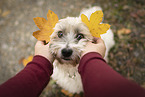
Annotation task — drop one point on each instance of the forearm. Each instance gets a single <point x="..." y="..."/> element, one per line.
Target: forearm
<point x="30" y="81"/>
<point x="100" y="80"/>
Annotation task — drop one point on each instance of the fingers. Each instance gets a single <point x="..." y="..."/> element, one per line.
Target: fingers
<point x="99" y="40"/>
<point x="40" y="42"/>
<point x="95" y="38"/>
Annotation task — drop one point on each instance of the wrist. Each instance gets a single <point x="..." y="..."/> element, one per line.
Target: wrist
<point x="50" y="59"/>
<point x="90" y="52"/>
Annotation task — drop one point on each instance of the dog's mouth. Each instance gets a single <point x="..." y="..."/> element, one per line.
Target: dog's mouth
<point x="67" y="59"/>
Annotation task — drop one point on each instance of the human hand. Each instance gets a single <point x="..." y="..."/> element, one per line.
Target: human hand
<point x="97" y="46"/>
<point x="43" y="50"/>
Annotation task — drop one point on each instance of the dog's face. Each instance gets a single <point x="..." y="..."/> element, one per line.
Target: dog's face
<point x="68" y="40"/>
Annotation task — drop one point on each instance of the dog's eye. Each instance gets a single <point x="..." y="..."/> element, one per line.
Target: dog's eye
<point x="79" y="36"/>
<point x="60" y="34"/>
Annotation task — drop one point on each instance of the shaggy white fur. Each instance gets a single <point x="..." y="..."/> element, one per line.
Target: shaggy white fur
<point x="65" y="72"/>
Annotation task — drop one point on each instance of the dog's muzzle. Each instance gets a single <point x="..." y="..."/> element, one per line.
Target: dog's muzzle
<point x="66" y="53"/>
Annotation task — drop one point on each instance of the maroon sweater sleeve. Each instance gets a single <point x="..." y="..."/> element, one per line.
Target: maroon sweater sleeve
<point x="30" y="81"/>
<point x="100" y="80"/>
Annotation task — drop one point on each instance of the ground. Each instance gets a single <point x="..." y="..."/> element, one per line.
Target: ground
<point x="126" y="18"/>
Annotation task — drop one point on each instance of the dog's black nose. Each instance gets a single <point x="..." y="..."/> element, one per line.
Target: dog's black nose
<point x="66" y="52"/>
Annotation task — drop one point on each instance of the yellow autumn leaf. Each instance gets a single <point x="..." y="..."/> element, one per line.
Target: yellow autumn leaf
<point x="124" y="31"/>
<point x="45" y="26"/>
<point x="94" y="24"/>
<point x="66" y="93"/>
<point x="85" y="20"/>
<point x="52" y="18"/>
<point x="27" y="60"/>
<point x="40" y="22"/>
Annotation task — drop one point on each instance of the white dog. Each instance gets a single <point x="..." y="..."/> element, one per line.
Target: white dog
<point x="67" y="42"/>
